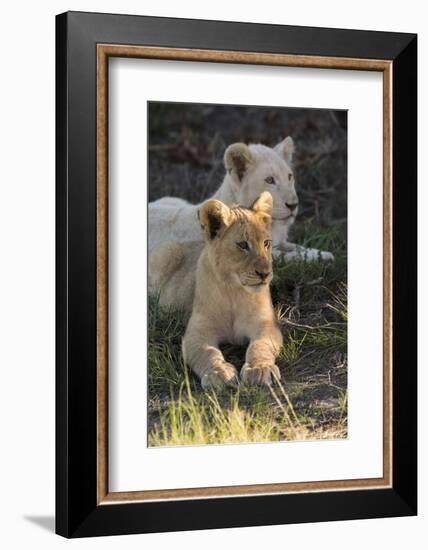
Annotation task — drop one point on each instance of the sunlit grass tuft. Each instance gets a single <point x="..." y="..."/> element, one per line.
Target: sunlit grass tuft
<point x="210" y="418"/>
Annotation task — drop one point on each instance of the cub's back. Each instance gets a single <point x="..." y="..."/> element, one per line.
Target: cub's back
<point x="172" y="217"/>
<point x="172" y="272"/>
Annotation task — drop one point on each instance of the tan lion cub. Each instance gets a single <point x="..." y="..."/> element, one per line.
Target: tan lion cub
<point x="232" y="301"/>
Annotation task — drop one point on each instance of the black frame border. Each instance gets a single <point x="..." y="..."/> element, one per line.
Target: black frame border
<point x="77" y="512"/>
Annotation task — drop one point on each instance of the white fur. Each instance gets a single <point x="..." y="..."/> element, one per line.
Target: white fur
<point x="247" y="169"/>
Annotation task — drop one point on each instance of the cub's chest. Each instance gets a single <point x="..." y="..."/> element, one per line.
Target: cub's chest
<point x="236" y="326"/>
<point x="240" y="332"/>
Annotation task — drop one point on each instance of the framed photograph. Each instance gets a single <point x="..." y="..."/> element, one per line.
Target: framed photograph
<point x="236" y="274"/>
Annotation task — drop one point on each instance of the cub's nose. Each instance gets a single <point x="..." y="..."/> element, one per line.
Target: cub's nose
<point x="292" y="206"/>
<point x="263" y="274"/>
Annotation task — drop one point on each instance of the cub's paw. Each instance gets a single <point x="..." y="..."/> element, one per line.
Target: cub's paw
<point x="259" y="373"/>
<point x="309" y="255"/>
<point x="326" y="256"/>
<point x="223" y="374"/>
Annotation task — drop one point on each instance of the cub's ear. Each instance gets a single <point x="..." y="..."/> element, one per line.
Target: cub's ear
<point x="237" y="159"/>
<point x="213" y="217"/>
<point x="285" y="149"/>
<point x="263" y="204"/>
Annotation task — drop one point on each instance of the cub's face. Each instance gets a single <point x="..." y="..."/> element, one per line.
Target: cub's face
<point x="239" y="240"/>
<point x="253" y="169"/>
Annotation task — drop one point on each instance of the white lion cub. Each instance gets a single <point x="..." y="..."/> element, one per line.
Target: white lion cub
<point x="250" y="170"/>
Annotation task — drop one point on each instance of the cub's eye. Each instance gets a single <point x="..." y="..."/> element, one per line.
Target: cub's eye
<point x="243" y="245"/>
<point x="267" y="244"/>
<point x="270" y="180"/>
<point x="290" y="176"/>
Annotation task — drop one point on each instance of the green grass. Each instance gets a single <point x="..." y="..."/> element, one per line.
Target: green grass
<point x="311" y="400"/>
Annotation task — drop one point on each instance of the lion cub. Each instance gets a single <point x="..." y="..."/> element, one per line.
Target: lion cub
<point x="232" y="301"/>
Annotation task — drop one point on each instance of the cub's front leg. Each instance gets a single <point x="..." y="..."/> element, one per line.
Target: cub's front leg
<point x="291" y="251"/>
<point x="201" y="353"/>
<point x="260" y="358"/>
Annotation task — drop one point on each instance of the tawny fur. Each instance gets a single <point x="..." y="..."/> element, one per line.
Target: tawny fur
<point x="232" y="301"/>
<point x="250" y="170"/>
